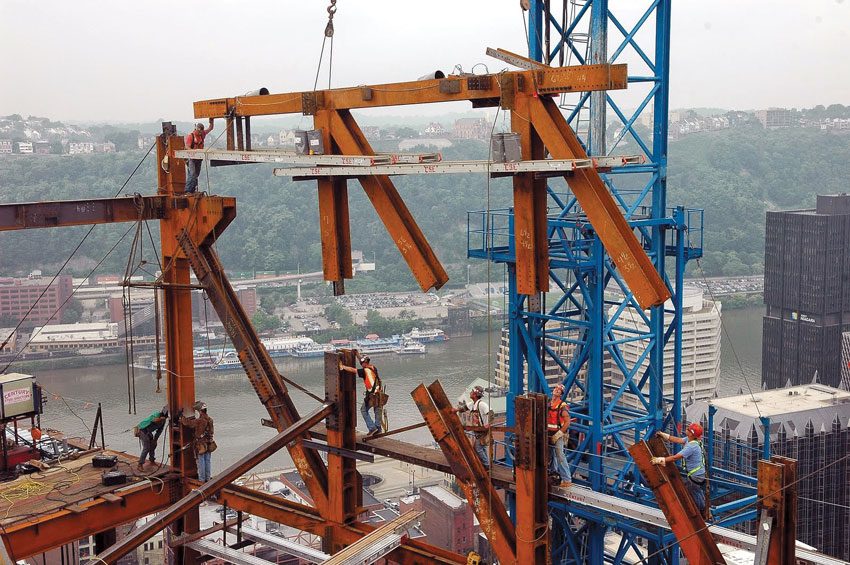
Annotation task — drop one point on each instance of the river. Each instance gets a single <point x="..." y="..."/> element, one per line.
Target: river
<point x="234" y="406"/>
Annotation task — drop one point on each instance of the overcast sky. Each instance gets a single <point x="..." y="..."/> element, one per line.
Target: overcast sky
<point x="123" y="60"/>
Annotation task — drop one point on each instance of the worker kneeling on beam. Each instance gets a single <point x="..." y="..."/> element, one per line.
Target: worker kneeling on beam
<point x="693" y="462"/>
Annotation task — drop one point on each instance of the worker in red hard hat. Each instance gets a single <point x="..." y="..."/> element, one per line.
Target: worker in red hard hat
<point x="693" y="462"/>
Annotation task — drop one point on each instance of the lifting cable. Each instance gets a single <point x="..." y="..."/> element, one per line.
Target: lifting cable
<point x="329" y="33"/>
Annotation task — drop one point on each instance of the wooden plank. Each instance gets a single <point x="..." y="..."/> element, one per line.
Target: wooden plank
<point x="109" y="497"/>
<point x="76" y="508"/>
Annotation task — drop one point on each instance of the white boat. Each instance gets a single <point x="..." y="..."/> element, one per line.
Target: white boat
<point x="228" y="362"/>
<point x="411" y="348"/>
<point x="285" y="346"/>
<point x="202" y="357"/>
<point x="426" y="336"/>
<point x="313" y="350"/>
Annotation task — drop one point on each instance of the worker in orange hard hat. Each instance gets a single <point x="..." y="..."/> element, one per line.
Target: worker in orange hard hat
<point x="693" y="462"/>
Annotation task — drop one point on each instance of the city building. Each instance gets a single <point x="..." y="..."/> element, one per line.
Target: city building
<point x="773" y="118"/>
<point x="435" y="129"/>
<point x="8" y="340"/>
<point x="701" y="331"/>
<point x="471" y="128"/>
<point x="809" y="423"/>
<point x="17" y="296"/>
<point x="807" y="293"/>
<point x="25" y="147"/>
<point x="42" y="147"/>
<point x="57" y="337"/>
<point x="77" y="148"/>
<point x="5" y="146"/>
<point x="448" y="521"/>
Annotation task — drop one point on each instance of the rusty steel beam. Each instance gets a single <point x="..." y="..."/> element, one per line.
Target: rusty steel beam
<point x="258" y="365"/>
<point x="470" y="473"/>
<point x="333" y="218"/>
<point x="675" y="501"/>
<point x="532" y="485"/>
<point x="789" y="502"/>
<point x="345" y="485"/>
<point x="483" y="88"/>
<point x="530" y="222"/>
<point x="601" y="209"/>
<point x="208" y="489"/>
<point x="771" y="514"/>
<point x="392" y="210"/>
<point x="307" y="519"/>
<point x="81" y="212"/>
<point x="43" y="533"/>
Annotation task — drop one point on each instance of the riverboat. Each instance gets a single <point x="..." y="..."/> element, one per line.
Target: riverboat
<point x="426" y="336"/>
<point x="411" y="348"/>
<point x="313" y="350"/>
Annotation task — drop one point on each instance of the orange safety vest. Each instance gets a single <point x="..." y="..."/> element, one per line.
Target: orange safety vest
<point x="371" y="380"/>
<point x="195" y="141"/>
<point x="555" y="420"/>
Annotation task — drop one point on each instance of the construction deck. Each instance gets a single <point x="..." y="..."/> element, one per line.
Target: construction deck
<point x="67" y="485"/>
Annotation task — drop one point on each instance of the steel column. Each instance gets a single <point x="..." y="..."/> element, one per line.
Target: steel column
<point x="392" y="210"/>
<point x="333" y="217"/>
<point x="345" y="485"/>
<point x="601" y="209"/>
<point x="532" y="488"/>
<point x="530" y="226"/>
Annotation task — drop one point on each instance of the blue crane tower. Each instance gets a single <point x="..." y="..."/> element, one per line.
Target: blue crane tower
<point x="581" y="327"/>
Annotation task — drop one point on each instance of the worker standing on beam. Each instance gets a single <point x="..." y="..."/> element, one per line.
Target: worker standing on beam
<point x="204" y="444"/>
<point x="481" y="420"/>
<point x="558" y="425"/>
<point x="195" y="140"/>
<point x="693" y="462"/>
<point x="374" y="397"/>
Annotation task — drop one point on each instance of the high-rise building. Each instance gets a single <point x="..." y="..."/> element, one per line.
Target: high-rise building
<point x="807" y="293"/>
<point x="701" y="330"/>
<point x="809" y="423"/>
<point x="40" y="300"/>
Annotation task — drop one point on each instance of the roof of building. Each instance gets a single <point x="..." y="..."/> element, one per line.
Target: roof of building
<point x="444" y="496"/>
<point x="75" y="332"/>
<point x="793" y="408"/>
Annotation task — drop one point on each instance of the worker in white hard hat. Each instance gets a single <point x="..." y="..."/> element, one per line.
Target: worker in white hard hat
<point x="480" y="411"/>
<point x="195" y="140"/>
<point x="204" y="445"/>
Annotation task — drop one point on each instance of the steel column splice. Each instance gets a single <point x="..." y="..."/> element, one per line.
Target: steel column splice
<point x="468" y="470"/>
<point x="675" y="501"/>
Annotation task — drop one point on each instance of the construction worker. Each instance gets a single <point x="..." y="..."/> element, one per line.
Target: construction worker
<point x="204" y="444"/>
<point x="480" y="419"/>
<point x="374" y="397"/>
<point x="693" y="462"/>
<point x="558" y="425"/>
<point x="195" y="140"/>
<point x="149" y="431"/>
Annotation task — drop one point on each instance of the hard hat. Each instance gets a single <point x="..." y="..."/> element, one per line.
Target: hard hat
<point x="477" y="390"/>
<point x="364" y="359"/>
<point x="695" y="429"/>
<point x="559" y="386"/>
<point x="164" y="411"/>
<point x="199" y="406"/>
<point x="199" y="125"/>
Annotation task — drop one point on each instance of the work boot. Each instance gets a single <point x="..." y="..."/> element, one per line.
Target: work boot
<point x="565" y="484"/>
<point x="140" y="468"/>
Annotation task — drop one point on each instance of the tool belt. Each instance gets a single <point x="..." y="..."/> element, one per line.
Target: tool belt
<point x="555" y="436"/>
<point x="377" y="399"/>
